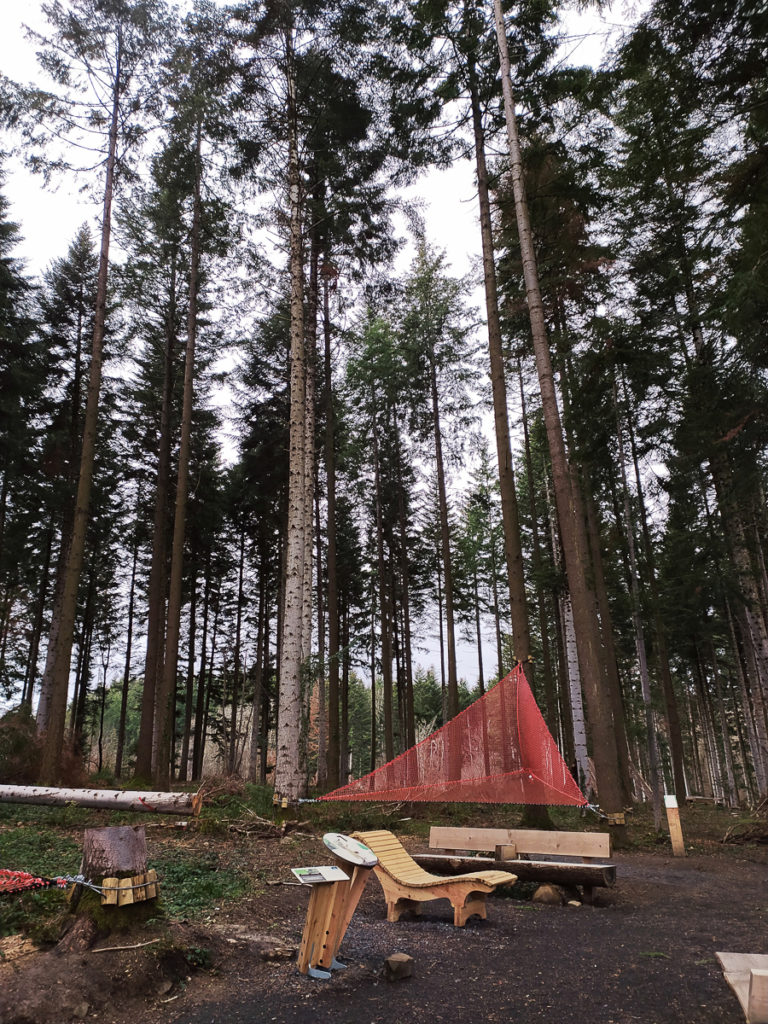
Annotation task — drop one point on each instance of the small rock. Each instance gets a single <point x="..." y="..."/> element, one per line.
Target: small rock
<point x="398" y="966"/>
<point x="81" y="1010"/>
<point x="574" y="903"/>
<point x="548" y="894"/>
<point x="164" y="987"/>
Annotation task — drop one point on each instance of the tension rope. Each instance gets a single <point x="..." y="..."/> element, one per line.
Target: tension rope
<point x="12" y="882"/>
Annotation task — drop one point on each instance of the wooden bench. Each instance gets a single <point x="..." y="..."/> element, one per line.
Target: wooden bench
<point x="406" y="885"/>
<point x="577" y="858"/>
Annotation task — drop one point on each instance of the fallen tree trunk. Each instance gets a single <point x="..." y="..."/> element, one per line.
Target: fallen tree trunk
<point x="557" y="872"/>
<point x="125" y="800"/>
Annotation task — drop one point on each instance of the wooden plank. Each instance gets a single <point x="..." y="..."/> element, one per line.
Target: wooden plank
<point x="109" y="895"/>
<point x="151" y="890"/>
<point x="140" y="889"/>
<point x="527" y="841"/>
<point x="124" y="892"/>
<point x="747" y="974"/>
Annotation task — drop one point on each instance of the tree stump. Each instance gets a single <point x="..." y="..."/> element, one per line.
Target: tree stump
<point x="114" y="852"/>
<point x="120" y="850"/>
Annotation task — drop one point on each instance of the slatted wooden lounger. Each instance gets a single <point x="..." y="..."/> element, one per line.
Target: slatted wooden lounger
<point x="406" y="885"/>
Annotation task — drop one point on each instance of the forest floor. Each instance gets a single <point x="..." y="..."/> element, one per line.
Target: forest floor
<point x="222" y="953"/>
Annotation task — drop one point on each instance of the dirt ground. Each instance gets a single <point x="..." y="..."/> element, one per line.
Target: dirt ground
<point x="644" y="953"/>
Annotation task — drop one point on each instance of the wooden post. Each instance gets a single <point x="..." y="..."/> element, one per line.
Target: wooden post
<point x="675" y="829"/>
<point x="345" y="903"/>
<point x="317" y="925"/>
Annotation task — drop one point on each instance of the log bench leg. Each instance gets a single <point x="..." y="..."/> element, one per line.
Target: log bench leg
<point x="397" y="907"/>
<point x="474" y="903"/>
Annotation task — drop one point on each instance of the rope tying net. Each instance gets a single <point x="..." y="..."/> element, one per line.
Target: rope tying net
<point x="23" y="881"/>
<point x="499" y="750"/>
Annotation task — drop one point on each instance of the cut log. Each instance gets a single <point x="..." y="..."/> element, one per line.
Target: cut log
<point x="588" y="875"/>
<point x="119" y="850"/>
<point x="125" y="800"/>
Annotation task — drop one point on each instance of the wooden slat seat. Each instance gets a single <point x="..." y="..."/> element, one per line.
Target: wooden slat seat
<point x="406" y="885"/>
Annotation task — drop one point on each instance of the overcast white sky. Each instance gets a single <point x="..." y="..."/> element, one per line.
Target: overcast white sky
<point x="49" y="218"/>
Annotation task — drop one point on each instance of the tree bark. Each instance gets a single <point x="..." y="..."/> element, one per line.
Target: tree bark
<point x="128" y="650"/>
<point x="161" y="771"/>
<point x="56" y="678"/>
<point x="289" y="778"/>
<point x="445" y="545"/>
<point x="158" y="571"/>
<point x="125" y="800"/>
<point x="333" y="769"/>
<point x="575" y="548"/>
<point x="513" y="550"/>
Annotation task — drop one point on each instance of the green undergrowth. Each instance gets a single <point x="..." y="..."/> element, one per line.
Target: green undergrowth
<point x="42" y="852"/>
<point x="195" y="885"/>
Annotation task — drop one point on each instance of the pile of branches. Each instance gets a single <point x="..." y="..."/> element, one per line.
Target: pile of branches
<point x="755" y="830"/>
<point x="254" y="825"/>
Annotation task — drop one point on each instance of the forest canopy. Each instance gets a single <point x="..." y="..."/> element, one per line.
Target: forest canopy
<point x="253" y="457"/>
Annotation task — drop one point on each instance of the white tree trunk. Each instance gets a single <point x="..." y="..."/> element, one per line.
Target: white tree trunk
<point x="289" y="781"/>
<point x="574" y="685"/>
<point x="125" y="800"/>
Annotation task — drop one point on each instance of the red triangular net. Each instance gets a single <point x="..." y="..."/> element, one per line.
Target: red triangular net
<point x="498" y="751"/>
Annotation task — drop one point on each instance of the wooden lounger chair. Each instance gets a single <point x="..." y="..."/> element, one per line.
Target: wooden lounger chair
<point x="406" y="885"/>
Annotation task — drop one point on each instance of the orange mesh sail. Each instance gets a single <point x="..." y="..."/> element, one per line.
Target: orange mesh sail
<point x="497" y="751"/>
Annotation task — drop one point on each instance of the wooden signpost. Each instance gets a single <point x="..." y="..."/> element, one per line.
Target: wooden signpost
<point x="675" y="829"/>
<point x="335" y="895"/>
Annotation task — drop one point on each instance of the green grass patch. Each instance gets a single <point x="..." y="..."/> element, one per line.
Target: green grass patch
<point x="191" y="887"/>
<point x="39" y="852"/>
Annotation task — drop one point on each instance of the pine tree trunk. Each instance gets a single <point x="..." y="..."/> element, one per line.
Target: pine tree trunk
<point x="156" y="592"/>
<point x="445" y="547"/>
<point x="609" y="660"/>
<point x="128" y="650"/>
<point x="322" y="711"/>
<point x="730" y="775"/>
<point x="572" y="529"/>
<point x="637" y="622"/>
<point x="478" y="632"/>
<point x="332" y="594"/>
<point x="372" y="761"/>
<point x="161" y="769"/>
<point x="550" y="698"/>
<point x="384" y="605"/>
<point x="200" y="694"/>
<point x="56" y="678"/>
<point x="262" y="626"/>
<point x="37" y="628"/>
<point x="662" y="651"/>
<point x="344" y="694"/>
<point x="410" y="723"/>
<point x="237" y="669"/>
<point x="513" y="550"/>
<point x="189" y="691"/>
<point x="289" y="778"/>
